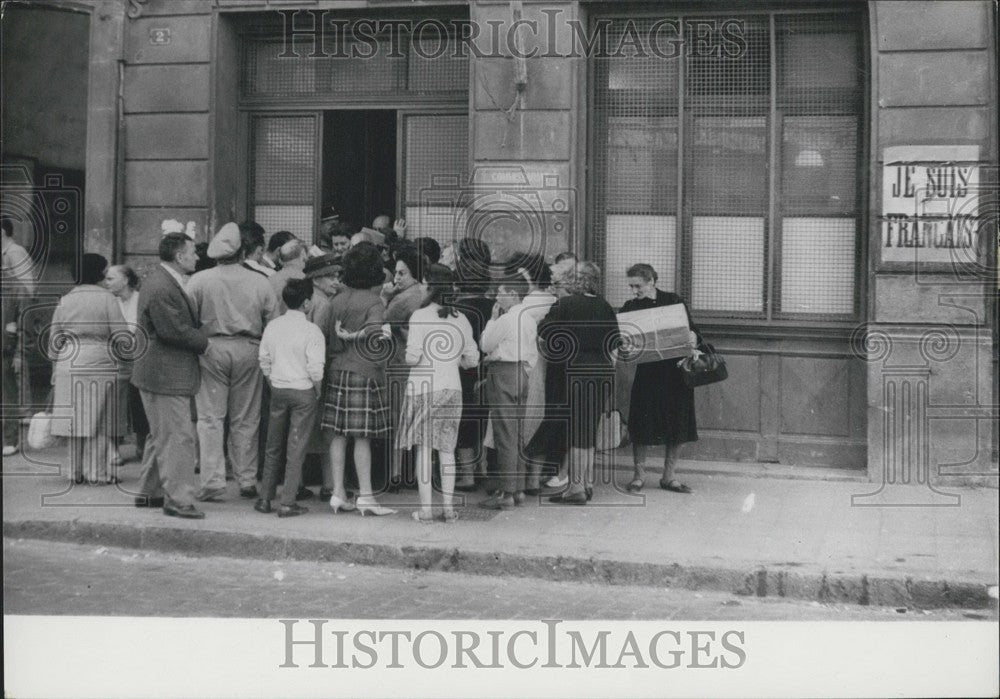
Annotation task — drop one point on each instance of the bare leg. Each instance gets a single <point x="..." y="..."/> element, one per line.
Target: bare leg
<point x="338" y="454"/>
<point x="577" y="470"/>
<point x="640" y="452"/>
<point x="424" y="467"/>
<point x="363" y="465"/>
<point x="446" y="459"/>
<point x="669" y="481"/>
<point x="670" y="461"/>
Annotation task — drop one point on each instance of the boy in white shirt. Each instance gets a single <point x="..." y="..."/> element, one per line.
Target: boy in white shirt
<point x="292" y="353"/>
<point x="508" y="344"/>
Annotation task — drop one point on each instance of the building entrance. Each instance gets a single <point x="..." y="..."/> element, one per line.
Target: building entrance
<point x="359" y="164"/>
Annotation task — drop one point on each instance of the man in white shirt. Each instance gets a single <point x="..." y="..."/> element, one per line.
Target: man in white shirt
<point x="508" y="343"/>
<point x="292" y="353"/>
<point x="17" y="263"/>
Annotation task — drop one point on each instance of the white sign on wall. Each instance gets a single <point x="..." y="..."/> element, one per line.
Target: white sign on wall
<point x="930" y="201"/>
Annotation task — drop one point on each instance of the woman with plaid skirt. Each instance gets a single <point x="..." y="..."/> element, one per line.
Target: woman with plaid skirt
<point x="356" y="405"/>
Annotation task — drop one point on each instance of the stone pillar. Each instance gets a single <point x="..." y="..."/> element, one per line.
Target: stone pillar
<point x="526" y="122"/>
<point x="167" y="119"/>
<point x="931" y="403"/>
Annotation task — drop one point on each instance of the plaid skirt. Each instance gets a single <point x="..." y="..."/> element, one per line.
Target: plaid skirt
<point x="355" y="406"/>
<point x="430" y="418"/>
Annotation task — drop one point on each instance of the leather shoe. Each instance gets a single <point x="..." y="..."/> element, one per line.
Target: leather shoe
<point x="213" y="495"/>
<point x="248" y="492"/>
<point x="500" y="501"/>
<point x="291" y="510"/>
<point x="304" y="494"/>
<point x="569" y="499"/>
<point x="149" y="501"/>
<point x="263" y="506"/>
<point x="183" y="511"/>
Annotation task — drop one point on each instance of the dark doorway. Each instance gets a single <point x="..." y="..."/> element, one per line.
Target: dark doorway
<point x="359" y="164"/>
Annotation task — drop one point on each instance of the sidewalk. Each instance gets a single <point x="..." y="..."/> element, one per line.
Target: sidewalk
<point x="795" y="536"/>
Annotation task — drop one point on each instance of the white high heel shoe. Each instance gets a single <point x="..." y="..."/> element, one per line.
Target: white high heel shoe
<point x="339" y="505"/>
<point x="370" y="506"/>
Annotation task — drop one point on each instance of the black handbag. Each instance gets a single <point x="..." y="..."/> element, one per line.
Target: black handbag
<point x="706" y="369"/>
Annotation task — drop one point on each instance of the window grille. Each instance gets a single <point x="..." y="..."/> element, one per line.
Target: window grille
<point x="352" y="68"/>
<point x="751" y="194"/>
<point x="436" y="173"/>
<point x="284" y="173"/>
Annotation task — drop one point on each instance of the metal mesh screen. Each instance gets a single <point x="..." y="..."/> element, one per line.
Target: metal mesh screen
<point x="435" y="171"/>
<point x="727" y="264"/>
<point x="432" y="70"/>
<point x="702" y="124"/>
<point x="351" y="68"/>
<point x="819" y="100"/>
<point x="650" y="239"/>
<point x="284" y="173"/>
<point x="636" y="117"/>
<point x="817" y="270"/>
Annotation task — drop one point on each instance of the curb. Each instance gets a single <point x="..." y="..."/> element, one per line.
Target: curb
<point x="757" y="581"/>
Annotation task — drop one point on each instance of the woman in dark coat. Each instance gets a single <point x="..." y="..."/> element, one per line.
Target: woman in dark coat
<point x="577" y="339"/>
<point x="661" y="409"/>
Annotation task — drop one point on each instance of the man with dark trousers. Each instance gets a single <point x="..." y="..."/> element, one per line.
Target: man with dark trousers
<point x="167" y="375"/>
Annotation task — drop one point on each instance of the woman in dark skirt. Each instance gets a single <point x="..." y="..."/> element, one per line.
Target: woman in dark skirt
<point x="355" y="404"/>
<point x="661" y="409"/>
<point x="577" y="339"/>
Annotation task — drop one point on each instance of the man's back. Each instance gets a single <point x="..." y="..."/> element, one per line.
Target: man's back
<point x="232" y="300"/>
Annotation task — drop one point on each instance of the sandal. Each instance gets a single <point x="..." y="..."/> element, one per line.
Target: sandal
<point x="635" y="485"/>
<point x="674" y="486"/>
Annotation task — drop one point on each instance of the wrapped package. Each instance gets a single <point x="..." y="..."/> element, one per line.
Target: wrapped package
<point x="657" y="333"/>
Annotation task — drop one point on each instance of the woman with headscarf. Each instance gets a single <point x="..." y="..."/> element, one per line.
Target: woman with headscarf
<point x="92" y="345"/>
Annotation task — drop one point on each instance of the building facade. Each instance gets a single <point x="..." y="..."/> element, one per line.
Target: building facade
<point x="817" y="179"/>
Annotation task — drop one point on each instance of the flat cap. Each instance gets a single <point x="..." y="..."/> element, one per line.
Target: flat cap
<point x="226" y="242"/>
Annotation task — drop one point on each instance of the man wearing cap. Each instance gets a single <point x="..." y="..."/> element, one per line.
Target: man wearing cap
<point x="167" y="374"/>
<point x="329" y="220"/>
<point x="234" y="304"/>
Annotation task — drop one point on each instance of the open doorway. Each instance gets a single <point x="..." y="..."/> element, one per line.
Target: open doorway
<point x="359" y="164"/>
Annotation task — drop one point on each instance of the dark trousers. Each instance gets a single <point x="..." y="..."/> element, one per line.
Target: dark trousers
<point x="292" y="414"/>
<point x="140" y="423"/>
<point x="12" y="405"/>
<point x="506" y="394"/>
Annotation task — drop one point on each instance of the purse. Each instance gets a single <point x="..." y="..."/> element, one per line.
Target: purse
<point x="707" y="369"/>
<point x="609" y="431"/>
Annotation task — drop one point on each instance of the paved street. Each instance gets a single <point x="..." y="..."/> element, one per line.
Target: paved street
<point x="43" y="577"/>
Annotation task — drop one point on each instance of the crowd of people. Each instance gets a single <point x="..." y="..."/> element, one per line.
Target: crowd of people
<point x="239" y="358"/>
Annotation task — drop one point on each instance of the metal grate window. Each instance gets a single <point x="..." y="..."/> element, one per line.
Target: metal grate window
<point x="751" y="192"/>
<point x="401" y="67"/>
<point x="284" y="173"/>
<point x="435" y="171"/>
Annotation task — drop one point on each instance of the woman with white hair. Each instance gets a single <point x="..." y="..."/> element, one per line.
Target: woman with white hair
<point x="577" y="338"/>
<point x="123" y="283"/>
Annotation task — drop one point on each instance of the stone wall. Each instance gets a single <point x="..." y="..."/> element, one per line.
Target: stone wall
<point x="929" y="342"/>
